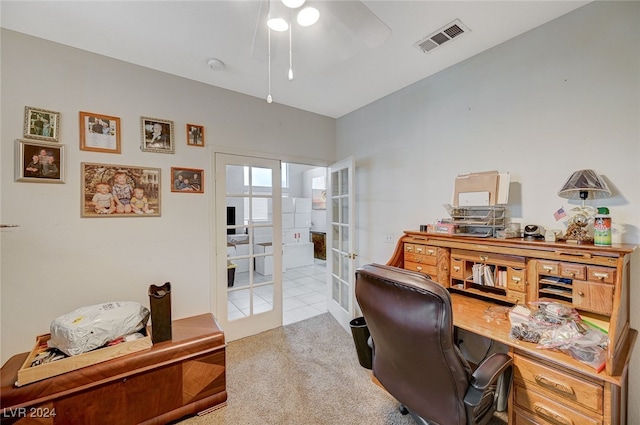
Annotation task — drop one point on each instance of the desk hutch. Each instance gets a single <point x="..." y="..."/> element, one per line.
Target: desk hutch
<point x="549" y="386"/>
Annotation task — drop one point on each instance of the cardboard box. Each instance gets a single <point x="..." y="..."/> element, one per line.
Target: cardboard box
<point x="446" y="228"/>
<point x="302" y="220"/>
<point x="28" y="374"/>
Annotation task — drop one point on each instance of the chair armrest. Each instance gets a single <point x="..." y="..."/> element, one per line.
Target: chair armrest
<point x="486" y="375"/>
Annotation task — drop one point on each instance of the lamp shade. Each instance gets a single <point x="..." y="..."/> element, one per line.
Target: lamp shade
<point x="584" y="184"/>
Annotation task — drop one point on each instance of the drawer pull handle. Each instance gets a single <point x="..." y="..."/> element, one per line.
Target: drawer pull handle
<point x="418" y="268"/>
<point x="516" y="279"/>
<point x="484" y="257"/>
<point x="554" y="416"/>
<point x="543" y="380"/>
<point x="547" y="268"/>
<point x="418" y="249"/>
<point x="409" y="249"/>
<point x="581" y="293"/>
<point x="430" y="252"/>
<point x="601" y="276"/>
<point x="574" y="254"/>
<point x="456" y="268"/>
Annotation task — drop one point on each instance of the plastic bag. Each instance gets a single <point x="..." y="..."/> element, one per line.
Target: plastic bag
<point x="590" y="348"/>
<point x="91" y="327"/>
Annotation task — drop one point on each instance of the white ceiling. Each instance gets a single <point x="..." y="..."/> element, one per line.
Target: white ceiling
<point x="335" y="72"/>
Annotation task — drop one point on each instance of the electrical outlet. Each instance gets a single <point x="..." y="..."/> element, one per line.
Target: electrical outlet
<point x="388" y="238"/>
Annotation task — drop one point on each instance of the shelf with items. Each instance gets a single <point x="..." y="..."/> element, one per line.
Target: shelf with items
<point x="495" y="276"/>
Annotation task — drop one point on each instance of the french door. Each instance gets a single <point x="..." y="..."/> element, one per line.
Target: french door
<point x="341" y="258"/>
<point x="248" y="244"/>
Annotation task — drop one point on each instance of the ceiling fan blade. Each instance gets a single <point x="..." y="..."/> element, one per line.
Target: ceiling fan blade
<point x="361" y="21"/>
<point x="260" y="48"/>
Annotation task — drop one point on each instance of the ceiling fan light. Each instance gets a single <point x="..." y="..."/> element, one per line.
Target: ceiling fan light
<point x="277" y="24"/>
<point x="308" y="16"/>
<point x="293" y="4"/>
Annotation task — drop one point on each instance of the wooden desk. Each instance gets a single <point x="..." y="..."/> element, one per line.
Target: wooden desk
<point x="549" y="387"/>
<point x="172" y="379"/>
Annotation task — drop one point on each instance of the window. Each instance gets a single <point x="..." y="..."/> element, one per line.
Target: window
<point x="262" y="176"/>
<point x="260" y="209"/>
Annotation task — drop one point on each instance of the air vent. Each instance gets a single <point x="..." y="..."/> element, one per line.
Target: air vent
<point x="440" y="37"/>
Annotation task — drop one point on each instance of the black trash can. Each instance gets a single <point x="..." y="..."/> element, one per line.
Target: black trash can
<point x="361" y="334"/>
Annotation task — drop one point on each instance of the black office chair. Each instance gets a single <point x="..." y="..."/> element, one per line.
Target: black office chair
<point x="414" y="355"/>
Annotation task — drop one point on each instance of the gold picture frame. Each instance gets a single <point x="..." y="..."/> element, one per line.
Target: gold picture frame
<point x="110" y="190"/>
<point x="41" y="124"/>
<point x="157" y="135"/>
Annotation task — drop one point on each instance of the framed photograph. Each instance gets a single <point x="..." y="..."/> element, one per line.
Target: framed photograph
<point x="157" y="135"/>
<point x="120" y="191"/>
<point x="195" y="135"/>
<point x="39" y="162"/>
<point x="99" y="133"/>
<point x="41" y="124"/>
<point x="187" y="180"/>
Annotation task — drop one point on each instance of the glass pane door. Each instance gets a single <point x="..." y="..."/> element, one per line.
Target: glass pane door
<point x="341" y="258"/>
<point x="249" y="284"/>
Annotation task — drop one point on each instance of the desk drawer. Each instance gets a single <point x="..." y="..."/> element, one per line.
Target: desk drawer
<point x="549" y="267"/>
<point x="558" y="385"/>
<point x="573" y="271"/>
<point x="422" y="268"/>
<point x="522" y="417"/>
<point x="420" y="258"/>
<point x="516" y="297"/>
<point x="549" y="411"/>
<point x="457" y="268"/>
<point x="601" y="274"/>
<point x="515" y="279"/>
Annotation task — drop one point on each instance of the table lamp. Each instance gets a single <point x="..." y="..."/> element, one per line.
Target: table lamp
<point x="582" y="184"/>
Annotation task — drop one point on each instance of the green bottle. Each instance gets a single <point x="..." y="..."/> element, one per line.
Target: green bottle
<point x="602" y="227"/>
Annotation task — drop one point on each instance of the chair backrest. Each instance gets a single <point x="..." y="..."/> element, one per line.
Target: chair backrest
<point x="415" y="357"/>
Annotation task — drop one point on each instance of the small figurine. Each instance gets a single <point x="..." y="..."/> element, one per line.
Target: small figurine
<point x="577" y="229"/>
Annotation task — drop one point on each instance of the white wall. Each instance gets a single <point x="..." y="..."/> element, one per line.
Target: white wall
<point x="562" y="97"/>
<point x="56" y="261"/>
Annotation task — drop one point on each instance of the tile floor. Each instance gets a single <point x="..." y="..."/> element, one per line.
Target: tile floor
<point x="304" y="293"/>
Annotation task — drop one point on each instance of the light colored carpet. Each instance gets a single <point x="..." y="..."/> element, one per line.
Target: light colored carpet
<point x="305" y="373"/>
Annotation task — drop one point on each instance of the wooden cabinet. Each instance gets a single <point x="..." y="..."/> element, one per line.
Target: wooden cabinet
<point x="175" y="378"/>
<point x="427" y="259"/>
<point x="549" y="386"/>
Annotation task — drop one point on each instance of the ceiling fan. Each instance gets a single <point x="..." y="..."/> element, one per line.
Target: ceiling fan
<point x="343" y="26"/>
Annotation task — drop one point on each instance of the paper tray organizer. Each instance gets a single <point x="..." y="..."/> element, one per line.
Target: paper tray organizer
<point x="476" y="221"/>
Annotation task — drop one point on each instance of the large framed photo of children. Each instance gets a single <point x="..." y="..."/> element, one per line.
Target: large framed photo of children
<point x="120" y="191"/>
<point x="39" y="162"/>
